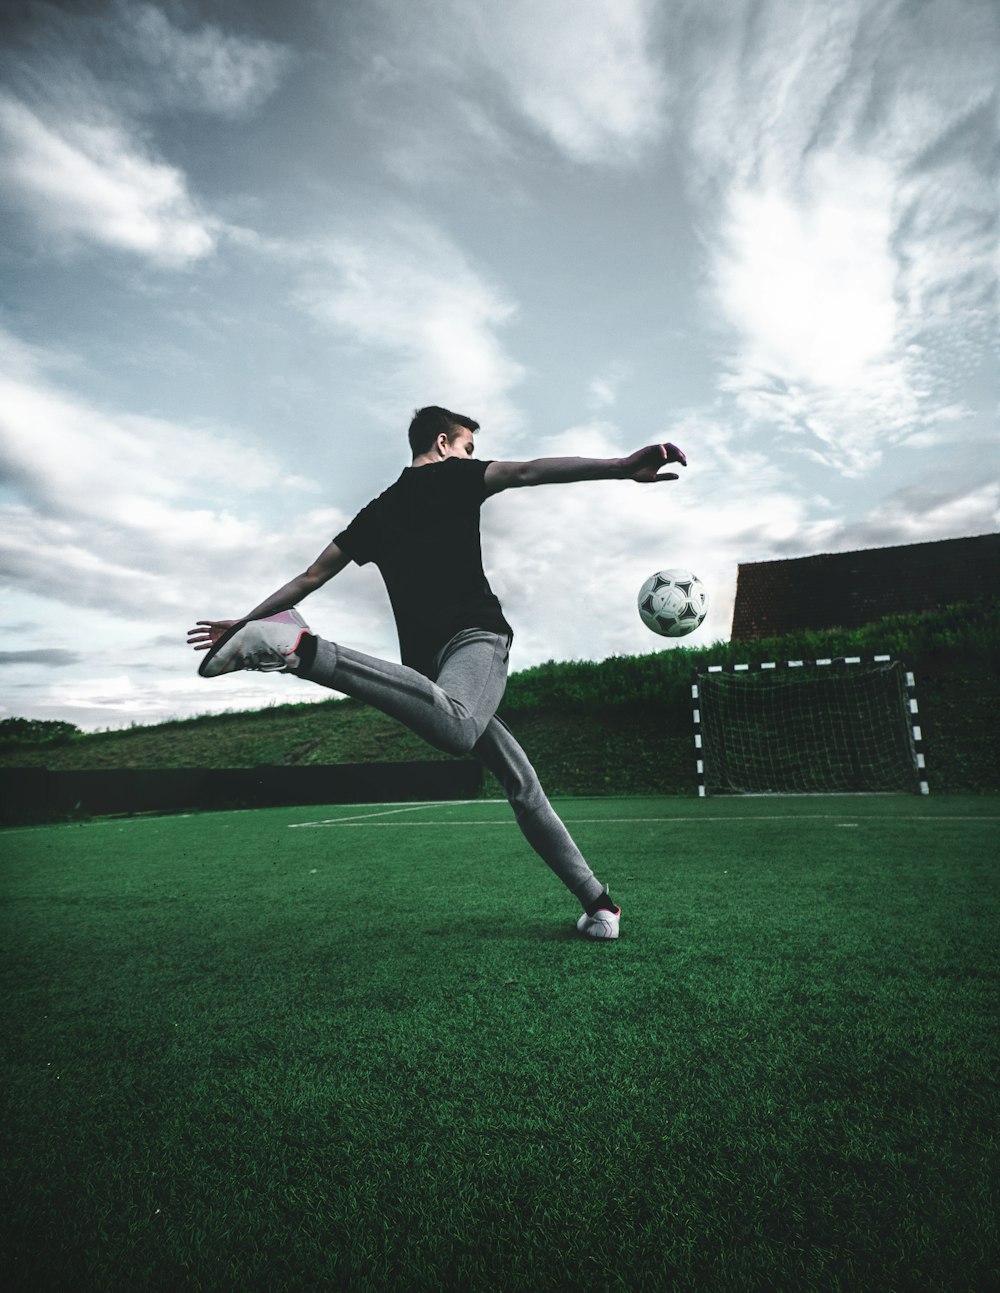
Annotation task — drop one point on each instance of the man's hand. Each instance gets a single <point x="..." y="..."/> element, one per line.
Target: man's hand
<point x="206" y="633"/>
<point x="644" y="465"/>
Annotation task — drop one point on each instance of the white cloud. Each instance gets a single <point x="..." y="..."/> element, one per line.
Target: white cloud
<point x="935" y="508"/>
<point x="118" y="531"/>
<point x="93" y="183"/>
<point x="70" y="561"/>
<point x="75" y="161"/>
<point x="850" y="216"/>
<point x="124" y="694"/>
<point x="808" y="282"/>
<point x="65" y="453"/>
<point x="403" y="289"/>
<point x="602" y="390"/>
<point x="202" y="69"/>
<point x="931" y="69"/>
<point x="585" y="75"/>
<point x="587" y="78"/>
<point x="132" y="513"/>
<point x="951" y="501"/>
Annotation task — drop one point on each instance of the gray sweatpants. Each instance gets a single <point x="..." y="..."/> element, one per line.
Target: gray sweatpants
<point x="457" y="713"/>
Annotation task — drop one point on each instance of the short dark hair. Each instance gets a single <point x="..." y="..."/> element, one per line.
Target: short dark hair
<point x="433" y="421"/>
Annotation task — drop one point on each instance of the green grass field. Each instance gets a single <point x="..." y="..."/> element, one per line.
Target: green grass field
<point x="245" y="1051"/>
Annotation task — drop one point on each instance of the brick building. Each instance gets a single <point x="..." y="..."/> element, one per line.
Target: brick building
<point x="849" y="589"/>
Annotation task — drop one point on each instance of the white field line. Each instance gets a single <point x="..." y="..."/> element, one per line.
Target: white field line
<point x="357" y="818"/>
<point x="139" y="818"/>
<point x="364" y="819"/>
<point x="629" y="821"/>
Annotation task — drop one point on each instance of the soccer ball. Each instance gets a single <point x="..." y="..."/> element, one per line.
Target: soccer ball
<point x="673" y="602"/>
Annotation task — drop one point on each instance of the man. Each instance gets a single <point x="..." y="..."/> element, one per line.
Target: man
<point x="423" y="534"/>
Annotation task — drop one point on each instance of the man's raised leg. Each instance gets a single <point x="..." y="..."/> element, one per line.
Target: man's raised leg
<point x="451" y="713"/>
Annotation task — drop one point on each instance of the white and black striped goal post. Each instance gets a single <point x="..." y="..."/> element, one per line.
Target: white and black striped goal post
<point x="835" y="726"/>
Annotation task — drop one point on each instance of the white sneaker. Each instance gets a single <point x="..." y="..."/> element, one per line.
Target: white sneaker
<point x="603" y="924"/>
<point x="268" y="645"/>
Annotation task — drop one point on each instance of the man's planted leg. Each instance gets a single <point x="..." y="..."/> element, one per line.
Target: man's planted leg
<point x="544" y="830"/>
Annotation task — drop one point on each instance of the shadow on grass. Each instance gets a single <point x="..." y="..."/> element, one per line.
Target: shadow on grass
<point x="503" y="929"/>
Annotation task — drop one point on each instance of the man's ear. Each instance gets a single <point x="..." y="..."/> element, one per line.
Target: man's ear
<point x="441" y="444"/>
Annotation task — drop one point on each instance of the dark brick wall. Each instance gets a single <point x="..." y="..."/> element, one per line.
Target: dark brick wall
<point x="849" y="589"/>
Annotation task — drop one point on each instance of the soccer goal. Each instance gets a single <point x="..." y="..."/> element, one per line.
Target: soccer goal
<point x="844" y="726"/>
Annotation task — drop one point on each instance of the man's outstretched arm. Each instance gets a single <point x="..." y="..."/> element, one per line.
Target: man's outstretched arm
<point x="331" y="561"/>
<point x="644" y="465"/>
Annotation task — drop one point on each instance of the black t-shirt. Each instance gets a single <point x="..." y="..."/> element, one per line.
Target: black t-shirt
<point x="423" y="534"/>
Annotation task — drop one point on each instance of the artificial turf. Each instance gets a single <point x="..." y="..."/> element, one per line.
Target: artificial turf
<point x="244" y="1052"/>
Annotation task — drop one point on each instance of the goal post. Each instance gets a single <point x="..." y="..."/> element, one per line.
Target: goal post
<point x="833" y="726"/>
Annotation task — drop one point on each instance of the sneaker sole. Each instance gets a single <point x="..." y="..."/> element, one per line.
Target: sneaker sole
<point x="203" y="668"/>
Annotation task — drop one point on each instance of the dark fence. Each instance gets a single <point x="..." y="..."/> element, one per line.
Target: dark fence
<point x="37" y="794"/>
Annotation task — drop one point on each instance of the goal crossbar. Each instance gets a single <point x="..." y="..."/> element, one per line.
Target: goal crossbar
<point x="839" y="725"/>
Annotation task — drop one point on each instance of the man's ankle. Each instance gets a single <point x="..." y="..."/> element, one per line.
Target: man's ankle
<point x="306" y="652"/>
<point x="603" y="903"/>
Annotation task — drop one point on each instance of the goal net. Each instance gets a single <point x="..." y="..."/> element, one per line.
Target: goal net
<point x="823" y="727"/>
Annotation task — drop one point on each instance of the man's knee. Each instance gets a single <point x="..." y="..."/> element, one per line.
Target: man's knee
<point x="461" y="749"/>
<point x="523" y="789"/>
<point x="461" y="737"/>
<point x="504" y="757"/>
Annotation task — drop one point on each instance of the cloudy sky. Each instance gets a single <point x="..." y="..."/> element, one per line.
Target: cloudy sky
<point x="241" y="241"/>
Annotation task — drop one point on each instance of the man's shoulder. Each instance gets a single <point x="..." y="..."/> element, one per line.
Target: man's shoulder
<point x="441" y="480"/>
<point x="461" y="471"/>
<point x="463" y="464"/>
<point x="467" y="468"/>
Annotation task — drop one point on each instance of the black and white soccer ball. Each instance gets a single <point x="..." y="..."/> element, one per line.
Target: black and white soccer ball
<point x="673" y="603"/>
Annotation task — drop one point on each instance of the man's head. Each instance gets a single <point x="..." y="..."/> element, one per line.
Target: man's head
<point x="429" y="425"/>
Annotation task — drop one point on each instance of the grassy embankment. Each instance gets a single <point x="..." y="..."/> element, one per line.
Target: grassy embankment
<point x="620" y="726"/>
